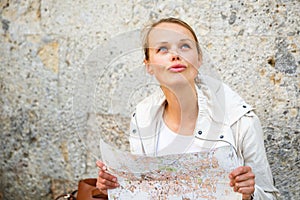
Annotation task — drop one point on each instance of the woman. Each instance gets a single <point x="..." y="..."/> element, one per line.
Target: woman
<point x="190" y="105"/>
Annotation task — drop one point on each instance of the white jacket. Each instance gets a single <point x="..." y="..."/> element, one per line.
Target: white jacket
<point x="223" y="115"/>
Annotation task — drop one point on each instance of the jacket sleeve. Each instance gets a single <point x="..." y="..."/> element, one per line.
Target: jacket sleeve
<point x="252" y="149"/>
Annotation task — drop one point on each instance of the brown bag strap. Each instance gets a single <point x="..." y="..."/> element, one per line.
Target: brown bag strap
<point x="87" y="190"/>
<point x="68" y="196"/>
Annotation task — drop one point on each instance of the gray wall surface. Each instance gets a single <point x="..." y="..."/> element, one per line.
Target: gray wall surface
<point x="57" y="55"/>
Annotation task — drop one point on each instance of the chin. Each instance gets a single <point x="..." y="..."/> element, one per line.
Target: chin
<point x="178" y="82"/>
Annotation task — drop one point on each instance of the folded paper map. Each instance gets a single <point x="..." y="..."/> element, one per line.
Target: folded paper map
<point x="202" y="175"/>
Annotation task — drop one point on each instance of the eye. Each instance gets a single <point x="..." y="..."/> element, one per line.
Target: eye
<point x="185" y="46"/>
<point x="162" y="49"/>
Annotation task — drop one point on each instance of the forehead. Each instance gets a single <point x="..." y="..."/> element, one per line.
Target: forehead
<point x="169" y="31"/>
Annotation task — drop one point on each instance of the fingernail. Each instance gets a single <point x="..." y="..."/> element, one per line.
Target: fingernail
<point x="114" y="179"/>
<point x="104" y="168"/>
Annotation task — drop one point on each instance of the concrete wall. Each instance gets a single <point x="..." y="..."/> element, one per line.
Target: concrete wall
<point x="47" y="48"/>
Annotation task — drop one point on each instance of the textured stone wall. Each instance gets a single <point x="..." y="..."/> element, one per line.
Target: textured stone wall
<point x="47" y="143"/>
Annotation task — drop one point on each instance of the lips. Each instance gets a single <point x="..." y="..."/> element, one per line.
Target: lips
<point x="177" y="68"/>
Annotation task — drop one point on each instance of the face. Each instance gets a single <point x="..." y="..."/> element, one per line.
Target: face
<point x="173" y="56"/>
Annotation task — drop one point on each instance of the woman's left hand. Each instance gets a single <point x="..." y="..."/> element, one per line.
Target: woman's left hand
<point x="242" y="179"/>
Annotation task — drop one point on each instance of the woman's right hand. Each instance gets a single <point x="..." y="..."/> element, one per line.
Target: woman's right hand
<point x="105" y="180"/>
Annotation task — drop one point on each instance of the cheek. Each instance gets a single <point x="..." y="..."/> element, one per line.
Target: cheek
<point x="197" y="63"/>
<point x="193" y="59"/>
<point x="158" y="61"/>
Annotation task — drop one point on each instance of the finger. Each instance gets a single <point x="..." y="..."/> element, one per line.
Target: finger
<point x="242" y="177"/>
<point x="245" y="177"/>
<point x="108" y="179"/>
<point x="248" y="183"/>
<point x="246" y="190"/>
<point x="101" y="165"/>
<point x="239" y="171"/>
<point x="107" y="176"/>
<point x="105" y="184"/>
<point x="103" y="187"/>
<point x="245" y="187"/>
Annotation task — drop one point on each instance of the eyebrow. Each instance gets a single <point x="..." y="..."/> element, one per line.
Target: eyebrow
<point x="182" y="40"/>
<point x="187" y="40"/>
<point x="161" y="43"/>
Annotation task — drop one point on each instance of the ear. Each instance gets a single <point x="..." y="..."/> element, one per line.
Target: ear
<point x="148" y="67"/>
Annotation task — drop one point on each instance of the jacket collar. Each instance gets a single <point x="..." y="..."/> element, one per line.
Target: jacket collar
<point x="219" y="108"/>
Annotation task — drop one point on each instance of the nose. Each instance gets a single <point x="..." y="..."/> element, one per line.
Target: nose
<point x="175" y="56"/>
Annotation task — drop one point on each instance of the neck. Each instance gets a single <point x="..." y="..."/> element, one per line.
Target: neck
<point x="181" y="110"/>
